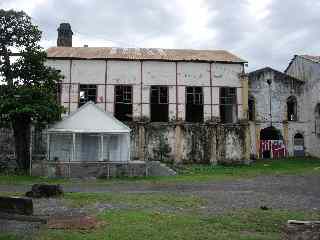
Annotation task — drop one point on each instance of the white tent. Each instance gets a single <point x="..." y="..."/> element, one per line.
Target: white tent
<point x="89" y="135"/>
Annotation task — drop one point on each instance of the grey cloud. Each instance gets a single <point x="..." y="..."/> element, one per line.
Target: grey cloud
<point x="290" y="28"/>
<point x="119" y="20"/>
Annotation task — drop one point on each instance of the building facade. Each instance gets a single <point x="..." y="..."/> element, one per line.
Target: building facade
<point x="307" y="69"/>
<point x="276" y="114"/>
<point x="182" y="105"/>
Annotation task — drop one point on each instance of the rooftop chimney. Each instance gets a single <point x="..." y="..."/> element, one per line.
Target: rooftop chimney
<point x="64" y="35"/>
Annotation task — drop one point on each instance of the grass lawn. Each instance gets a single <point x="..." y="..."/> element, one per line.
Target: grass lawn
<point x="132" y="224"/>
<point x="187" y="173"/>
<point x="176" y="216"/>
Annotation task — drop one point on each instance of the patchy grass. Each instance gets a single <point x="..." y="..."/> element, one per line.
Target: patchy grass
<point x="136" y="200"/>
<point x="262" y="167"/>
<point x="132" y="224"/>
<point x="8" y="237"/>
<point x="197" y="173"/>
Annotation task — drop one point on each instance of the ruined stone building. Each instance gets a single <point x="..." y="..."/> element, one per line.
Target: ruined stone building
<point x="181" y="105"/>
<point x="290" y="103"/>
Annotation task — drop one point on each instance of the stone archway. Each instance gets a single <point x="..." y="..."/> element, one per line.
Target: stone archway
<point x="298" y="145"/>
<point x="267" y="137"/>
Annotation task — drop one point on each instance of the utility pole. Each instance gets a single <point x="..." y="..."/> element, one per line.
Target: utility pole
<point x="269" y="81"/>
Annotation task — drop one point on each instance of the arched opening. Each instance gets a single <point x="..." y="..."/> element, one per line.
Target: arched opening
<point x="292" y="108"/>
<point x="251" y="108"/>
<point x="271" y="143"/>
<point x="298" y="145"/>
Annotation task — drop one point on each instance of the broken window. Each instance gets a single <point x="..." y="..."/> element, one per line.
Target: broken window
<point x="194" y="106"/>
<point x="87" y="92"/>
<point x="292" y="109"/>
<point x="228" y="104"/>
<point x="251" y="108"/>
<point x="159" y="104"/>
<point x="123" y="102"/>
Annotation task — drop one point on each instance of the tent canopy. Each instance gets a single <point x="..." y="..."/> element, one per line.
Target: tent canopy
<point x="90" y="119"/>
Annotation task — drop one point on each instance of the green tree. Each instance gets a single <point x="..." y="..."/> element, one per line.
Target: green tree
<point x="28" y="94"/>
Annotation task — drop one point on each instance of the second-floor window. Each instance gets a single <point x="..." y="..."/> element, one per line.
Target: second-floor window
<point x="123" y="102"/>
<point x="87" y="92"/>
<point x="159" y="104"/>
<point x="292" y="108"/>
<point x="194" y="104"/>
<point x="228" y="104"/>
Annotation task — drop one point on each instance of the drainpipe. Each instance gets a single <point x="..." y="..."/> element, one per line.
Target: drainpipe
<point x="269" y="81"/>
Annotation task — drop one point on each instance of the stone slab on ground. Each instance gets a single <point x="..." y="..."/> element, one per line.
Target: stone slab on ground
<point x="302" y="230"/>
<point x="16" y="205"/>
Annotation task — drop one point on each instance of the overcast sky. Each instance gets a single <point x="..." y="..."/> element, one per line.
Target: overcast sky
<point x="263" y="32"/>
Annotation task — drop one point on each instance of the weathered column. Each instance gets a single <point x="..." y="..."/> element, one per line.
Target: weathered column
<point x="141" y="142"/>
<point x="245" y="94"/>
<point x="212" y="138"/>
<point x="178" y="147"/>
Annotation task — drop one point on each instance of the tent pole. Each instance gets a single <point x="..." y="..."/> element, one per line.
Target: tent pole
<point x="73" y="152"/>
<point x="30" y="152"/>
<point x="48" y="146"/>
<point x="101" y="138"/>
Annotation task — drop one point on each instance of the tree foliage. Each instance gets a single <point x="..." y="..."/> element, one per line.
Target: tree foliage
<point x="29" y="90"/>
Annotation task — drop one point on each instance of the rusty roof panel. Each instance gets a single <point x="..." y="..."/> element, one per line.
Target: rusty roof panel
<point x="143" y="54"/>
<point x="312" y="58"/>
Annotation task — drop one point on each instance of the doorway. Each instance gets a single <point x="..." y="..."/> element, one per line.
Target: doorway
<point x="298" y="145"/>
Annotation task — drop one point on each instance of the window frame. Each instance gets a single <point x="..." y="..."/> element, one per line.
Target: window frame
<point x="88" y="87"/>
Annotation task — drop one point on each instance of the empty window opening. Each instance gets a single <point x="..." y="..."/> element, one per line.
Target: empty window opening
<point x="292" y="108"/>
<point x="159" y="106"/>
<point x="123" y="102"/>
<point x="251" y="108"/>
<point x="228" y="105"/>
<point x="194" y="106"/>
<point x="87" y="92"/>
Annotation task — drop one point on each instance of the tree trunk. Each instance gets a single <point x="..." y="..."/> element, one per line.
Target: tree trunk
<point x="21" y="131"/>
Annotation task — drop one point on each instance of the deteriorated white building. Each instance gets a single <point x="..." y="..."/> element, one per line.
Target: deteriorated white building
<point x="290" y="103"/>
<point x="181" y="105"/>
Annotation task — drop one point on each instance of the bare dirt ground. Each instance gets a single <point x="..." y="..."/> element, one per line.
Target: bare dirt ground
<point x="298" y="192"/>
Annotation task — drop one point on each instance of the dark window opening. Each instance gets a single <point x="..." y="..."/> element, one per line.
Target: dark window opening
<point x="87" y="92"/>
<point x="292" y="109"/>
<point x="228" y="105"/>
<point x="251" y="108"/>
<point x="159" y="104"/>
<point x="194" y="106"/>
<point x="123" y="102"/>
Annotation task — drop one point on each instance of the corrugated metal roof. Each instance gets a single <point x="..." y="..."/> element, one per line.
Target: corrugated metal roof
<point x="311" y="58"/>
<point x="143" y="54"/>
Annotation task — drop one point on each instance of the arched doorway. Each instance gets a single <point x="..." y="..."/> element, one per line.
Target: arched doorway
<point x="298" y="145"/>
<point x="271" y="143"/>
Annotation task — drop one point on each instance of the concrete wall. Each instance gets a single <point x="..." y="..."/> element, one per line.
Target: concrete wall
<point x="141" y="75"/>
<point x="282" y="87"/>
<point x="209" y="143"/>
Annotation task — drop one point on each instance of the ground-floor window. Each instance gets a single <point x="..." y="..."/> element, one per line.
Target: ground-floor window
<point x="87" y="92"/>
<point x="123" y="102"/>
<point x="159" y="104"/>
<point x="228" y="104"/>
<point x="194" y="104"/>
